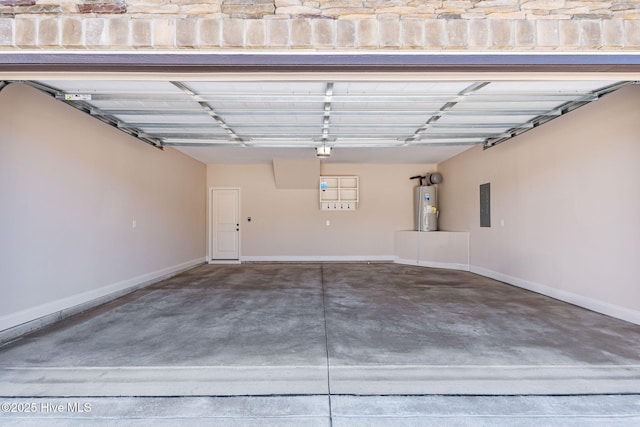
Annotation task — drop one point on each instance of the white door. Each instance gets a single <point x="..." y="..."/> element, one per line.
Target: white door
<point x="225" y="224"/>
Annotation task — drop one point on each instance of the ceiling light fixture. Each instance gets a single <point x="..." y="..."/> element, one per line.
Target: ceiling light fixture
<point x="323" y="152"/>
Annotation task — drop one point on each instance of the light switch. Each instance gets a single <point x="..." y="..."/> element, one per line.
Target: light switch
<point x="328" y="223"/>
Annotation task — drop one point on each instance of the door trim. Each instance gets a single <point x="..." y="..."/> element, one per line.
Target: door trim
<point x="179" y="61"/>
<point x="210" y="259"/>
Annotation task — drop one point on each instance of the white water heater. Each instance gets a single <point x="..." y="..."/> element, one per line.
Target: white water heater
<point x="426" y="202"/>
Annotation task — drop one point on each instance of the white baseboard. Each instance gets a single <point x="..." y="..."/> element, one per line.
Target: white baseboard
<point x="433" y="264"/>
<point x="612" y="310"/>
<point x="21" y="322"/>
<point x="329" y="258"/>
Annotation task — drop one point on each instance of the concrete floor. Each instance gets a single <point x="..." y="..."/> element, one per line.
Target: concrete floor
<point x="338" y="411"/>
<point x="319" y="331"/>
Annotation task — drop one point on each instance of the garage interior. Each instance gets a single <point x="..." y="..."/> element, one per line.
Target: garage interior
<point x="345" y="304"/>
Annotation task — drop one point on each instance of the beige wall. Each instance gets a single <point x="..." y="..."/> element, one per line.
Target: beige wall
<point x="70" y="188"/>
<point x="289" y="223"/>
<point x="568" y="195"/>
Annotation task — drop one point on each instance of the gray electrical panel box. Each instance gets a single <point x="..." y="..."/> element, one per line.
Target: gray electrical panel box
<point x="485" y="205"/>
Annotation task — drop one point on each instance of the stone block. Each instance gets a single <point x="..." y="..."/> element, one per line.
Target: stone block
<point x="233" y="32"/>
<point x="328" y="4"/>
<point x="367" y="33"/>
<point x="449" y="14"/>
<point x="412" y="32"/>
<point x="72" y="32"/>
<point x="389" y="32"/>
<point x="568" y="33"/>
<point x="435" y="33"/>
<point x="157" y="6"/>
<point x="212" y="4"/>
<point x="472" y="16"/>
<point x="255" y="33"/>
<point x="495" y="4"/>
<point x="216" y="6"/>
<point x="118" y="32"/>
<point x="198" y="9"/>
<point x="248" y="8"/>
<point x="346" y="33"/>
<point x="49" y="32"/>
<point x="17" y="2"/>
<point x="632" y="32"/>
<point x="501" y="33"/>
<point x="426" y="9"/>
<point x="26" y="31"/>
<point x="517" y="15"/>
<point x="95" y="31"/>
<point x="297" y="11"/>
<point x="37" y="9"/>
<point x="346" y="8"/>
<point x="164" y="32"/>
<point x="67" y="8"/>
<point x="153" y="7"/>
<point x="210" y="32"/>
<point x="479" y="34"/>
<point x="578" y="11"/>
<point x="6" y="31"/>
<point x="286" y="3"/>
<point x="547" y="33"/>
<point x="111" y="8"/>
<point x="141" y="32"/>
<point x="612" y="32"/>
<point x="351" y="13"/>
<point x="187" y="32"/>
<point x="525" y="34"/>
<point x="624" y="6"/>
<point x="300" y="32"/>
<point x="590" y="33"/>
<point x="394" y="10"/>
<point x="457" y="33"/>
<point x="323" y="31"/>
<point x="278" y="32"/>
<point x="543" y="5"/>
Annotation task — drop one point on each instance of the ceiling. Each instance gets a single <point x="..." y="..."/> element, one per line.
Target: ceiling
<point x="362" y="121"/>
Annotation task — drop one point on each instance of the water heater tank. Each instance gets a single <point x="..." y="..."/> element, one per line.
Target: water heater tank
<point x="426" y="213"/>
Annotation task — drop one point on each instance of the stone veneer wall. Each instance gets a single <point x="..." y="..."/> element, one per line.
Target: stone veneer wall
<point x="545" y="25"/>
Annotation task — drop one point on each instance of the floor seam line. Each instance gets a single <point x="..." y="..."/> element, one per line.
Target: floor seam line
<point x="326" y="342"/>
